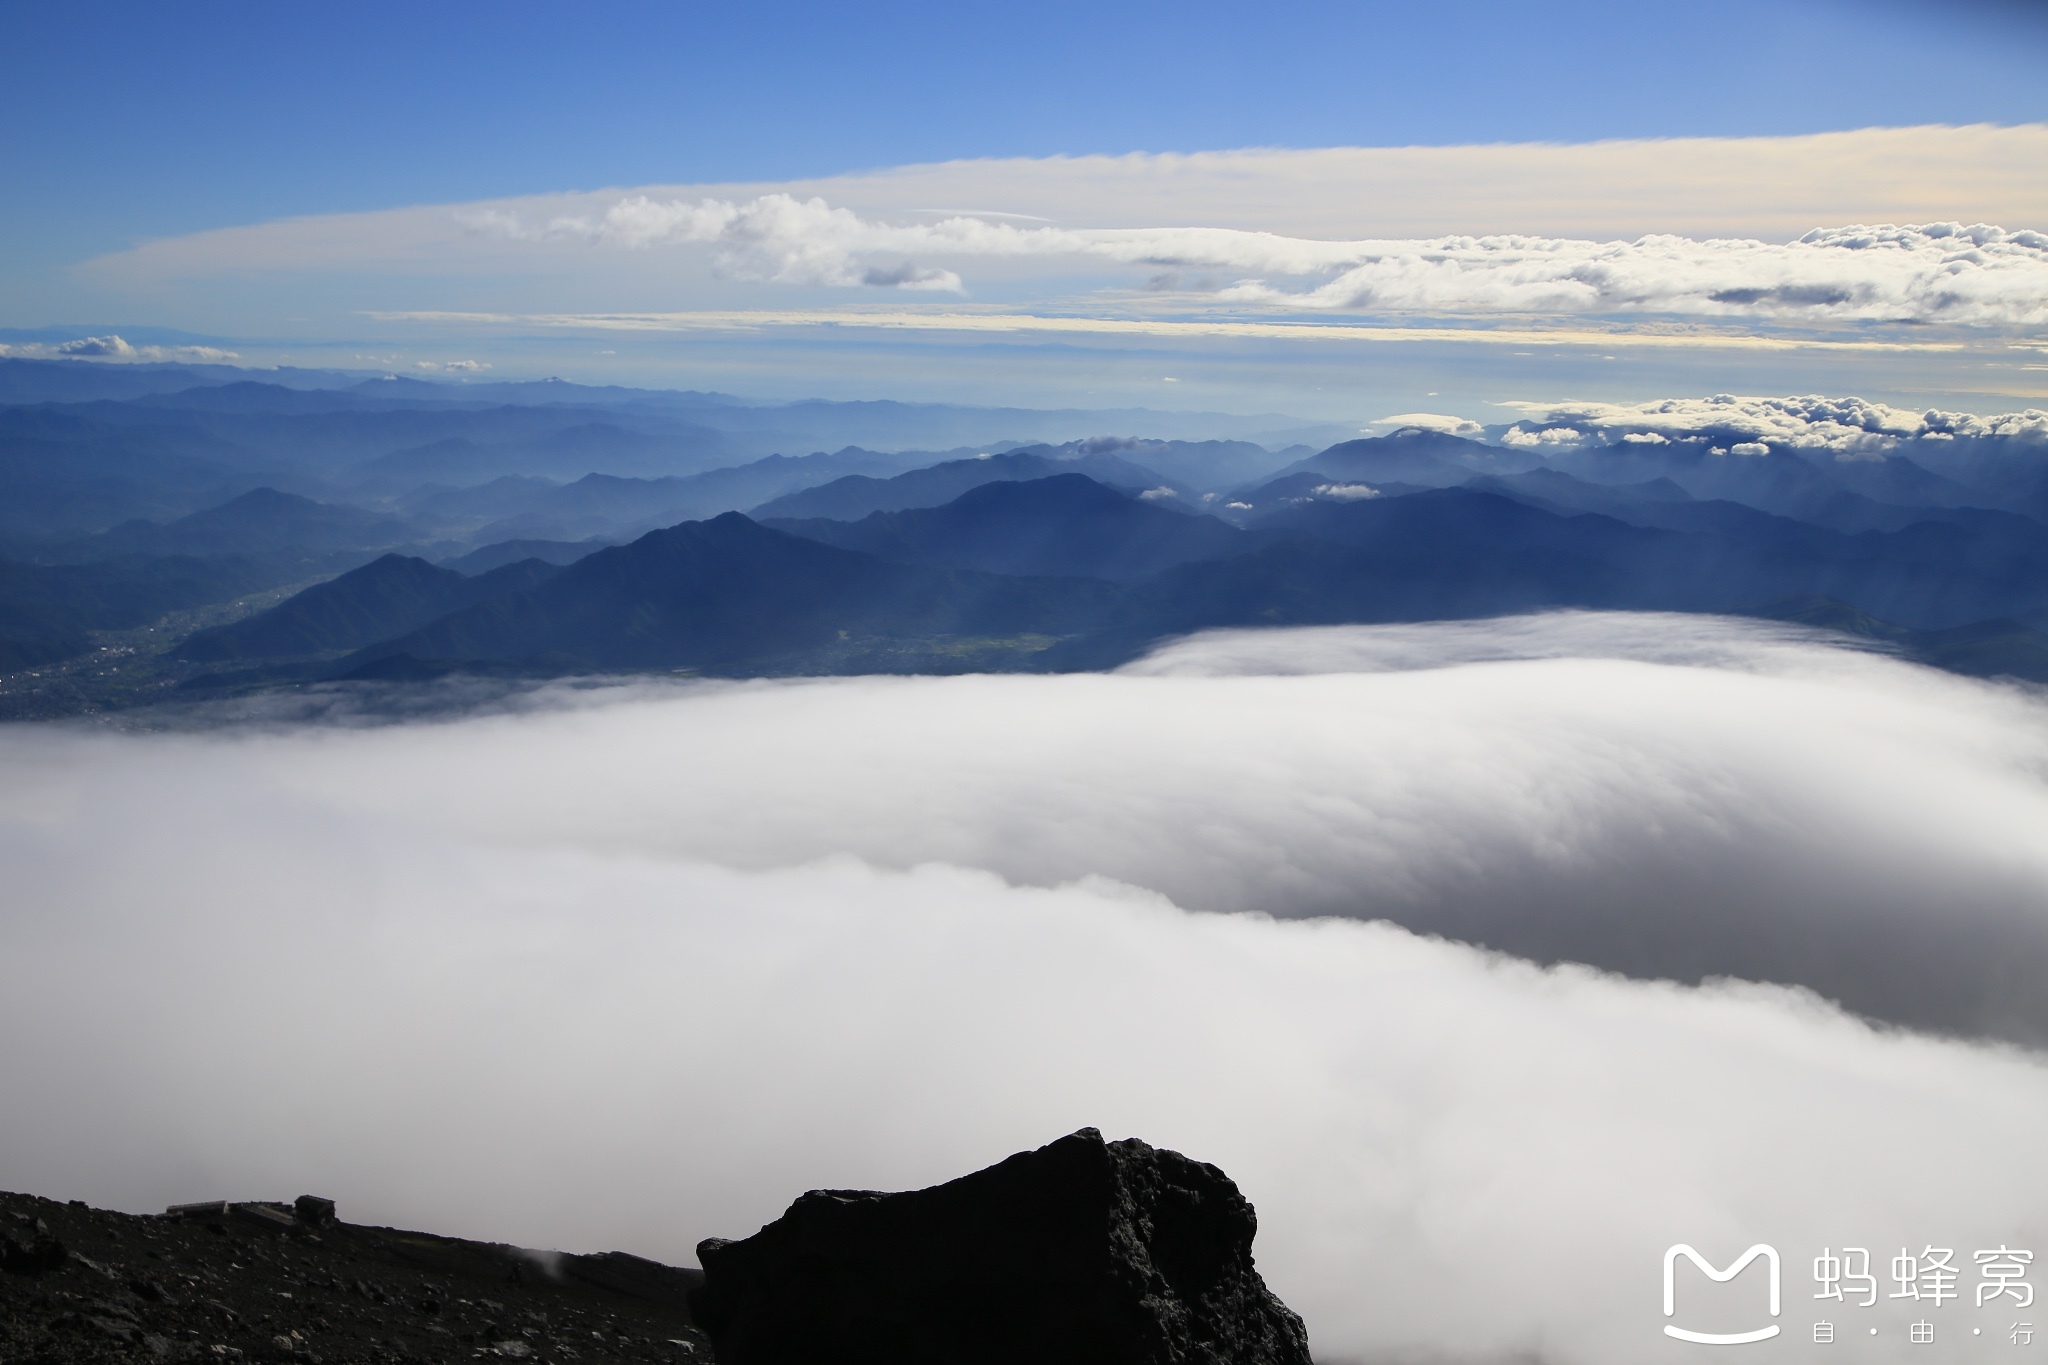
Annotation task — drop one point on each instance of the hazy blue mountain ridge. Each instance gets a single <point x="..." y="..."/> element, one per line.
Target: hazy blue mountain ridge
<point x="384" y="598"/>
<point x="730" y="594"/>
<point x="1065" y="524"/>
<point x="1004" y="556"/>
<point x="857" y="496"/>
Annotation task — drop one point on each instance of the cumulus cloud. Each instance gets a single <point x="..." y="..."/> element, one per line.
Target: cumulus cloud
<point x="95" y="347"/>
<point x="1975" y="274"/>
<point x="629" y="967"/>
<point x="453" y="366"/>
<point x="115" y="348"/>
<point x="1518" y="435"/>
<point x="1846" y="427"/>
<point x="776" y="238"/>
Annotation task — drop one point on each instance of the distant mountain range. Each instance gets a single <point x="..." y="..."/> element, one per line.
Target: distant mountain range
<point x="730" y="595"/>
<point x="1065" y="524"/>
<point x="387" y="597"/>
<point x="856" y="496"/>
<point x="1063" y="573"/>
<point x="458" y="528"/>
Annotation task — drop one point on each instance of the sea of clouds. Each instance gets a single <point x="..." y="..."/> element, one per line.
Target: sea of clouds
<point x="629" y="966"/>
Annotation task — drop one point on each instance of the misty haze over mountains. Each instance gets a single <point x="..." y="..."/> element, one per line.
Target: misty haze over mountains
<point x="225" y="533"/>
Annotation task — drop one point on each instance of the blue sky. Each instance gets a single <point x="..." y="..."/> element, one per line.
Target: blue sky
<point x="140" y="120"/>
<point x="134" y="123"/>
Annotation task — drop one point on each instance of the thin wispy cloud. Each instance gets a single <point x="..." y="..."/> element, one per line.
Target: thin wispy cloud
<point x="993" y="321"/>
<point x="1973" y="275"/>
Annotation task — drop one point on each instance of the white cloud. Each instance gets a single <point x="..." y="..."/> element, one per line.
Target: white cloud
<point x="453" y="366"/>
<point x="1848" y="427"/>
<point x="1767" y="188"/>
<point x="115" y="348"/>
<point x="637" y="966"/>
<point x="775" y="238"/>
<point x="1346" y="492"/>
<point x="95" y="347"/>
<point x="1940" y="272"/>
<point x="1432" y="421"/>
<point x="906" y="320"/>
<point x="1701" y="228"/>
<point x="1547" y="436"/>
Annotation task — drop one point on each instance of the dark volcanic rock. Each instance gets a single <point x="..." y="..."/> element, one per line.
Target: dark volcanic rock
<point x="1083" y="1252"/>
<point x="240" y="1283"/>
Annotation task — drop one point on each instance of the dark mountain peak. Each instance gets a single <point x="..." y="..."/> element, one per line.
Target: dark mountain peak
<point x="398" y="568"/>
<point x="265" y="502"/>
<point x="270" y="512"/>
<point x="857" y="495"/>
<point x="388" y="596"/>
<point x="391" y="592"/>
<point x="1064" y="524"/>
<point x="730" y="594"/>
<point x="1410" y="438"/>
<point x="1053" y="491"/>
<point x="1448" y="513"/>
<point x="1411" y="455"/>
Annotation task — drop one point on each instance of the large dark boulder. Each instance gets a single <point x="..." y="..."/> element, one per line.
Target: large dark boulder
<point x="1084" y="1252"/>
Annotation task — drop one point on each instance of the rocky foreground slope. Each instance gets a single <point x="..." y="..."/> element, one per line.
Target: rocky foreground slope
<point x="1082" y="1252"/>
<point x="230" y="1282"/>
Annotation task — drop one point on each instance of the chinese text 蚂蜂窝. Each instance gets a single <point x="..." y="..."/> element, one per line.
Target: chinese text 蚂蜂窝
<point x="1929" y="1275"/>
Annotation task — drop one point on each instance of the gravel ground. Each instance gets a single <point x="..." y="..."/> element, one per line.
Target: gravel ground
<point x="267" y="1282"/>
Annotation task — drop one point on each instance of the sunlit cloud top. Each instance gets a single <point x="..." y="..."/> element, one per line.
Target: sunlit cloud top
<point x="1922" y="225"/>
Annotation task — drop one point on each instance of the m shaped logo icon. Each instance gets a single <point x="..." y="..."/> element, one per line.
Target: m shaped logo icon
<point x="1770" y="1254"/>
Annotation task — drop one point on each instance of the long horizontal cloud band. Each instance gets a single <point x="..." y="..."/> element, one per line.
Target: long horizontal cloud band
<point x="1977" y="275"/>
<point x="1849" y="428"/>
<point x="918" y="320"/>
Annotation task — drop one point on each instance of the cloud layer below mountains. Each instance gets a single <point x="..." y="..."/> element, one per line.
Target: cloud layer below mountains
<point x="631" y="966"/>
